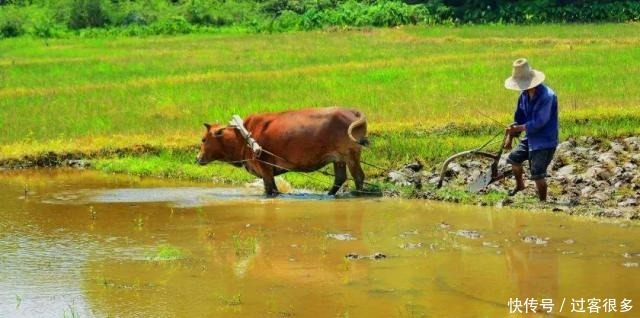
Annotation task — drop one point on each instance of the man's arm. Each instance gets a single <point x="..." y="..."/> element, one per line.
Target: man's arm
<point x="541" y="116"/>
<point x="519" y="119"/>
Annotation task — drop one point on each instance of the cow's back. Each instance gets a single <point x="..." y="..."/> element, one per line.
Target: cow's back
<point x="307" y="138"/>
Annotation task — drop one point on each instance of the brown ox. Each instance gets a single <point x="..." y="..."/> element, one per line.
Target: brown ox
<point x="302" y="140"/>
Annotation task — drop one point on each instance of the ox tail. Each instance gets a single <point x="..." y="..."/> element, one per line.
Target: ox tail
<point x="362" y="141"/>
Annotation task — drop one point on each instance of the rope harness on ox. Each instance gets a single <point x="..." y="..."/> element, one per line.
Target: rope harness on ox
<point x="237" y="123"/>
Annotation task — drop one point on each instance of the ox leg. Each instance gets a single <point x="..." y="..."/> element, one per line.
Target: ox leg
<point x="340" y="171"/>
<point x="356" y="171"/>
<point x="270" y="188"/>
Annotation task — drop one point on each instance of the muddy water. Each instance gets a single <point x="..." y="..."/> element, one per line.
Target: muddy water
<point x="87" y="244"/>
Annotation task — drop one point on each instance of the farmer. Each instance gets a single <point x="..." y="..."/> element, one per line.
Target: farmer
<point x="537" y="115"/>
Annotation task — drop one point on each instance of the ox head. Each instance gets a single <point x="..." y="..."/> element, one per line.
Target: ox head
<point x="212" y="147"/>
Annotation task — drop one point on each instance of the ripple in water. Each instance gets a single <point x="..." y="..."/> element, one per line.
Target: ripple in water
<point x="178" y="197"/>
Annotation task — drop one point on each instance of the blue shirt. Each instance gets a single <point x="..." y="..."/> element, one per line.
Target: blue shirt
<point x="540" y="115"/>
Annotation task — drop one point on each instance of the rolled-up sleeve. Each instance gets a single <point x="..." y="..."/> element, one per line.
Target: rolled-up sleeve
<point x="541" y="115"/>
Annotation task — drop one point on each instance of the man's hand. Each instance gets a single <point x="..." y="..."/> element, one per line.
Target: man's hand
<point x="508" y="142"/>
<point x="513" y="130"/>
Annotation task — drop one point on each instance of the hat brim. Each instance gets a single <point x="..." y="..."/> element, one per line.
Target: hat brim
<point x="521" y="85"/>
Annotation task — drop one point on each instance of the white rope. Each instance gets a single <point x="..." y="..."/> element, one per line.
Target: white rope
<point x="237" y="122"/>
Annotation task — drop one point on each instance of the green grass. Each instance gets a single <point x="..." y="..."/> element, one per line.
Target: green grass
<point x="244" y="245"/>
<point x="229" y="300"/>
<point x="422" y="89"/>
<point x="180" y="165"/>
<point x="167" y="253"/>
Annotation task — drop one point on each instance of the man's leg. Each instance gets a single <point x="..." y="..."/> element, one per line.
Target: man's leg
<point x="517" y="173"/>
<point x="539" y="161"/>
<point x="516" y="158"/>
<point x="541" y="186"/>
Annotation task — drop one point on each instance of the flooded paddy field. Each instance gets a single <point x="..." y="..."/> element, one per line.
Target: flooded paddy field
<point x="85" y="244"/>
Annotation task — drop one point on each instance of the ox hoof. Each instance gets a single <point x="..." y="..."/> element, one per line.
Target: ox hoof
<point x="272" y="194"/>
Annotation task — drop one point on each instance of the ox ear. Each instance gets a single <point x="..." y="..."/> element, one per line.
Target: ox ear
<point x="218" y="132"/>
<point x="207" y="126"/>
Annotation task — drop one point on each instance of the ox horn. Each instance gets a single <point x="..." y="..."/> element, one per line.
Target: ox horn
<point x="218" y="132"/>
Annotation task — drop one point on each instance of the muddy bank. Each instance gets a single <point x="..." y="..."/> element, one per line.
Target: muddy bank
<point x="81" y="159"/>
<point x="588" y="176"/>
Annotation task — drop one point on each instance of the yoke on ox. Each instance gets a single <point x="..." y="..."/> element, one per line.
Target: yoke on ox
<point x="305" y="140"/>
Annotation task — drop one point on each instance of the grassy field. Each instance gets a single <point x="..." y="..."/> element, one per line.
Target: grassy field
<point x="423" y="89"/>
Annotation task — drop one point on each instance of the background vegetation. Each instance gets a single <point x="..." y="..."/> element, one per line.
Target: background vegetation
<point x="90" y="18"/>
<point x="422" y="89"/>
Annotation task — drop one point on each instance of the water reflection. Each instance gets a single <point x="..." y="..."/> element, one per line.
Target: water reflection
<point x="95" y="246"/>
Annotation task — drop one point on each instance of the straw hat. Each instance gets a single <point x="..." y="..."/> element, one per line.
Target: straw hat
<point x="523" y="77"/>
